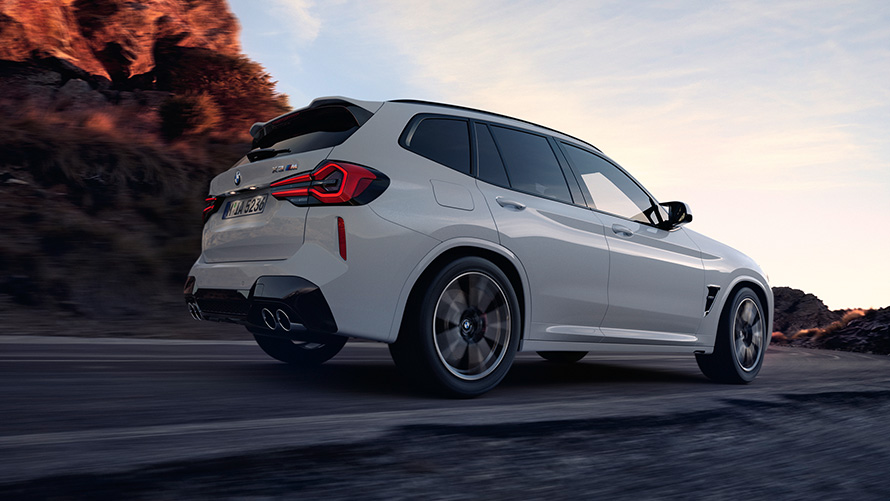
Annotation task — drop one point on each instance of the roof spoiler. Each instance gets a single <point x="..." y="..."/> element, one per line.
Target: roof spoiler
<point x="361" y="110"/>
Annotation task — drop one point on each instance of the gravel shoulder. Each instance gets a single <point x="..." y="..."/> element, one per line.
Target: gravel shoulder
<point x="821" y="446"/>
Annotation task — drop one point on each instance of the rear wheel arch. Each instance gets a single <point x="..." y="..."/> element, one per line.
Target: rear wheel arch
<point x="450" y="255"/>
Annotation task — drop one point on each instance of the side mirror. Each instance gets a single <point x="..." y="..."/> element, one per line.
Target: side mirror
<point x="677" y="214"/>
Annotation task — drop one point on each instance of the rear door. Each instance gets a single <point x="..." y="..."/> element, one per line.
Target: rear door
<point x="561" y="245"/>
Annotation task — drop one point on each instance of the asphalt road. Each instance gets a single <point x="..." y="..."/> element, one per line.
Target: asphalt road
<point x="195" y="419"/>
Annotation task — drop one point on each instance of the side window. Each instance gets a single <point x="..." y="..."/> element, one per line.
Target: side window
<point x="443" y="140"/>
<point x="611" y="189"/>
<point x="491" y="168"/>
<point x="531" y="164"/>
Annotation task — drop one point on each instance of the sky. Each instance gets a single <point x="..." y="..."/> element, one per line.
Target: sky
<point x="771" y="119"/>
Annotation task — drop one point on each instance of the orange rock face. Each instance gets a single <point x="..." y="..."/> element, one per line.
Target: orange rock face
<point x="115" y="39"/>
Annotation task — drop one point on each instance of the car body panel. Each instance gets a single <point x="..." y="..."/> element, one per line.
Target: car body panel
<point x="568" y="302"/>
<point x="656" y="281"/>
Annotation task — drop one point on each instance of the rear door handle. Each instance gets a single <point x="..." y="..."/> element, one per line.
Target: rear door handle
<point x="621" y="231"/>
<point x="509" y="204"/>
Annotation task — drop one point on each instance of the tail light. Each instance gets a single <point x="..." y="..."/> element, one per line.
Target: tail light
<point x="332" y="183"/>
<point x="211" y="205"/>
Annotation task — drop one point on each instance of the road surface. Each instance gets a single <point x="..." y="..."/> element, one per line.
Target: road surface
<point x="199" y="419"/>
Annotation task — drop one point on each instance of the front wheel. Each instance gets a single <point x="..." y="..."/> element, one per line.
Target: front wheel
<point x="301" y="353"/>
<point x="464" y="331"/>
<point x="741" y="341"/>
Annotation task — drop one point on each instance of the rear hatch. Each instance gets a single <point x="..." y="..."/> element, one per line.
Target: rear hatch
<point x="247" y="223"/>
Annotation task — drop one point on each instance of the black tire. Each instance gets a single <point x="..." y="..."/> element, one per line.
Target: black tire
<point x="461" y="333"/>
<point x="741" y="341"/>
<point x="562" y="357"/>
<point x="301" y="353"/>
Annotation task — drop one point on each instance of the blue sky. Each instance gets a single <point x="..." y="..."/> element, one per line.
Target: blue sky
<point x="770" y="119"/>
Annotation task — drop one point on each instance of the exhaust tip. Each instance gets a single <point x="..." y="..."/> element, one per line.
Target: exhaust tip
<point x="283" y="319"/>
<point x="195" y="311"/>
<point x="269" y="319"/>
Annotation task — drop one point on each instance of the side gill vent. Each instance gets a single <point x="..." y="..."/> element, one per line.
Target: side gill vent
<point x="712" y="294"/>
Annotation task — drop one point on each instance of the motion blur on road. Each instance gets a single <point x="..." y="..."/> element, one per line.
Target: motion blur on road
<point x="147" y="419"/>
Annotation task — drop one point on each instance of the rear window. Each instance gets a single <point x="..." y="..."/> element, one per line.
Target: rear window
<point x="309" y="130"/>
<point x="532" y="166"/>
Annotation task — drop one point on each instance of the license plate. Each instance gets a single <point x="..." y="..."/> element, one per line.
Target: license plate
<point x="245" y="207"/>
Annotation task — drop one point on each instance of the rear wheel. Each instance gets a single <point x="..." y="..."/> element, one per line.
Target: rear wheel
<point x="740" y="344"/>
<point x="301" y="353"/>
<point x="464" y="331"/>
<point x="562" y="357"/>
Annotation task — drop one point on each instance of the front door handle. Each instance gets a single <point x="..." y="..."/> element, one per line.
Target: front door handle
<point x="509" y="204"/>
<point x="622" y="231"/>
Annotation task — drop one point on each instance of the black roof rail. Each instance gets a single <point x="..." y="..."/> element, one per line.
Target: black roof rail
<point x="465" y="108"/>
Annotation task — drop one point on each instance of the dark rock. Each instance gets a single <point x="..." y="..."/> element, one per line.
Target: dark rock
<point x="796" y="310"/>
<point x="77" y="94"/>
<point x="869" y="333"/>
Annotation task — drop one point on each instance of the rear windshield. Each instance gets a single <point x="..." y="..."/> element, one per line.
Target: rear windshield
<point x="309" y="130"/>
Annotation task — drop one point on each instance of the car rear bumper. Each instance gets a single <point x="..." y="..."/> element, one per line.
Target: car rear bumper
<point x="284" y="304"/>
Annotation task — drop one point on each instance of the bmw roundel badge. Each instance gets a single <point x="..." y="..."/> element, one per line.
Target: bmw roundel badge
<point x="237" y="177"/>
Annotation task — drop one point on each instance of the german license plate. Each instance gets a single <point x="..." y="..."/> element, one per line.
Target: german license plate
<point x="245" y="207"/>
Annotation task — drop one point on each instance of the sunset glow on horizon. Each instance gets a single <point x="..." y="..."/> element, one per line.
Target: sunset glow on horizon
<point x="770" y="119"/>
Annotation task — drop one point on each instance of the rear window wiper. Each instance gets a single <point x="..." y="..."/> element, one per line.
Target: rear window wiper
<point x="262" y="153"/>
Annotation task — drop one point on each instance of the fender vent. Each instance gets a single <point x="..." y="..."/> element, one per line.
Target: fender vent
<point x="712" y="294"/>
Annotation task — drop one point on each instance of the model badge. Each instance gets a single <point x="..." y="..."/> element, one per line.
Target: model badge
<point x="237" y="177"/>
<point x="284" y="168"/>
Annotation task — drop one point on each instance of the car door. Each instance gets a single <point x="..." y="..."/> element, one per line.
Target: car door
<point x="561" y="245"/>
<point x="656" y="276"/>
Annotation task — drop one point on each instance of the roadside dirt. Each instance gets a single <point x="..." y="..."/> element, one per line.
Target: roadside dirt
<point x="823" y="446"/>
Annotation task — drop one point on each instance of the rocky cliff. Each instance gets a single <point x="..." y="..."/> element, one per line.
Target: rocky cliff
<point x="89" y="54"/>
<point x="802" y="319"/>
<point x="114" y="116"/>
<point x="113" y="39"/>
<point x="796" y="310"/>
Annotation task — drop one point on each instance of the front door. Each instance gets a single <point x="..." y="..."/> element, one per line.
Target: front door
<point x="656" y="277"/>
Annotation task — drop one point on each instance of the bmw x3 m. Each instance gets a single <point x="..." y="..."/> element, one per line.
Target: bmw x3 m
<point x="460" y="237"/>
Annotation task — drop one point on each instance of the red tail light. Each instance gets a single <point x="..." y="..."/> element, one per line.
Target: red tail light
<point x="332" y="183"/>
<point x="211" y="205"/>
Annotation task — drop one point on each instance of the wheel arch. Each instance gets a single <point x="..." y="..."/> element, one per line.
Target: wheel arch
<point x="450" y="251"/>
<point x="759" y="289"/>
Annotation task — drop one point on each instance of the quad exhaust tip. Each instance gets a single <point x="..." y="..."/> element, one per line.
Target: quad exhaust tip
<point x="283" y="320"/>
<point x="269" y="319"/>
<point x="195" y="311"/>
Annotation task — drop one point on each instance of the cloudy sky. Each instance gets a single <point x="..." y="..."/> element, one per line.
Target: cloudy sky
<point x="770" y="119"/>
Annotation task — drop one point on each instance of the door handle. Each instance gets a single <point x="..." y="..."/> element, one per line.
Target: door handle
<point x="509" y="204"/>
<point x="622" y="231"/>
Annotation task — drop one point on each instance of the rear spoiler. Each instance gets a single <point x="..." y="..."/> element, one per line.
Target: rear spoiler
<point x="361" y="110"/>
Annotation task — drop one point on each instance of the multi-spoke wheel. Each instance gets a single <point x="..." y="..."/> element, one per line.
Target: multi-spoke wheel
<point x="741" y="341"/>
<point x="464" y="331"/>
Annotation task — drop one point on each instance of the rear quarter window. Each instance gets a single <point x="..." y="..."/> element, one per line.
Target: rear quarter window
<point x="442" y="140"/>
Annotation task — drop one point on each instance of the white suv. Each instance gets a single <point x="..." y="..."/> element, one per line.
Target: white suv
<point x="460" y="237"/>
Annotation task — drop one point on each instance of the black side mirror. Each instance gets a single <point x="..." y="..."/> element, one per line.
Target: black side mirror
<point x="677" y="214"/>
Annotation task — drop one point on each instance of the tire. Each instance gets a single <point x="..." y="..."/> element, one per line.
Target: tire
<point x="741" y="341"/>
<point x="460" y="335"/>
<point x="562" y="357"/>
<point x="301" y="353"/>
